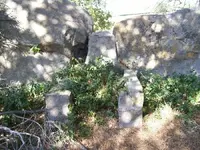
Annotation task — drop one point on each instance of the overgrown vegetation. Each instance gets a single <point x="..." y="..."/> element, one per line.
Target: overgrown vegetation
<point x="94" y="87"/>
<point x="23" y="96"/>
<point x="181" y="92"/>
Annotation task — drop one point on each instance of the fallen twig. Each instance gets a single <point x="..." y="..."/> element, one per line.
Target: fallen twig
<point x="19" y="134"/>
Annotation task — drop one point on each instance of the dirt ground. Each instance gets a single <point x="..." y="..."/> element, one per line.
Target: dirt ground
<point x="163" y="133"/>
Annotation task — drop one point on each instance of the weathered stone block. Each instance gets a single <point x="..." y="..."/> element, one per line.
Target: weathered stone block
<point x="19" y="66"/>
<point x="130" y="117"/>
<point x="156" y="42"/>
<point x="58" y="26"/>
<point x="57" y="105"/>
<point x="102" y="44"/>
<point x="130" y="103"/>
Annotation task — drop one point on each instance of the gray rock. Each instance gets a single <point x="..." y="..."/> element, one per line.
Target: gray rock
<point x="102" y="44"/>
<point x="157" y="42"/>
<point x="22" y="66"/>
<point x="130" y="103"/>
<point x="57" y="106"/>
<point x="48" y="23"/>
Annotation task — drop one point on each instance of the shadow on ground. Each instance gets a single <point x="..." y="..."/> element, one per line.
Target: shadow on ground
<point x="172" y="134"/>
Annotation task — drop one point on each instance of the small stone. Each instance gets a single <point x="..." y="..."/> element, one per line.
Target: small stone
<point x="57" y="105"/>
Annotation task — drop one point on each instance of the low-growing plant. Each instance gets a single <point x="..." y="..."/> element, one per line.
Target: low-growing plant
<point x="95" y="89"/>
<point x="23" y="96"/>
<point x="35" y="49"/>
<point x="179" y="90"/>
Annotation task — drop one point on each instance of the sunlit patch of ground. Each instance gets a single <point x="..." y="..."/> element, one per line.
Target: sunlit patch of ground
<point x="161" y="130"/>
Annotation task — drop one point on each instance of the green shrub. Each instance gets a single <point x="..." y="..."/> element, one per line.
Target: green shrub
<point x="101" y="19"/>
<point x="100" y="16"/>
<point x="23" y="96"/>
<point x="180" y="91"/>
<point x="95" y="89"/>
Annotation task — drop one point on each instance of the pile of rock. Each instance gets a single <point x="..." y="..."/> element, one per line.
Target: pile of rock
<point x="161" y="43"/>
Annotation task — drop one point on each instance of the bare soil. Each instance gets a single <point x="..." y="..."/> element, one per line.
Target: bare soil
<point x="170" y="133"/>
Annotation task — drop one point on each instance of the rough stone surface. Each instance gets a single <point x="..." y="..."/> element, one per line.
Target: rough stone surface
<point x="162" y="43"/>
<point x="55" y="25"/>
<point x="102" y="44"/>
<point x="57" y="106"/>
<point x="130" y="103"/>
<point x="17" y="64"/>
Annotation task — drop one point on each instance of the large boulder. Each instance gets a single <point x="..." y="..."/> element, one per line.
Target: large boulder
<point x="162" y="43"/>
<point x="59" y="26"/>
<point x="19" y="65"/>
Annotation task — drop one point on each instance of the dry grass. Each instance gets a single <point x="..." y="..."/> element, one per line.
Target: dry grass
<point x="161" y="130"/>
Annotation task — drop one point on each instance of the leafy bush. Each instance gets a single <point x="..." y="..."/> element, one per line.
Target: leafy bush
<point x="100" y="16"/>
<point x="95" y="89"/>
<point x="101" y="19"/>
<point x="23" y="96"/>
<point x="180" y="91"/>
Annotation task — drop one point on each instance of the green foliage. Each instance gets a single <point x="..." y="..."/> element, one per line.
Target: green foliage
<point x="100" y="16"/>
<point x="180" y="91"/>
<point x="95" y="89"/>
<point x="35" y="49"/>
<point x="22" y="96"/>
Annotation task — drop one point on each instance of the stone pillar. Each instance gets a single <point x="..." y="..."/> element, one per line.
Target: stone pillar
<point x="57" y="106"/>
<point x="130" y="102"/>
<point x="102" y="44"/>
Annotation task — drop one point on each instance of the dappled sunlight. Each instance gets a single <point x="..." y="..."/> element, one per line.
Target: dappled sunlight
<point x="41" y="17"/>
<point x="161" y="42"/>
<point x="136" y="31"/>
<point x="152" y="62"/>
<point x="54" y="112"/>
<point x="26" y="67"/>
<point x="157" y="27"/>
<point x="57" y="106"/>
<point x="38" y="23"/>
<point x="160" y="131"/>
<point x="157" y="121"/>
<point x="111" y="54"/>
<point x="165" y="55"/>
<point x="7" y="64"/>
<point x="65" y="110"/>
